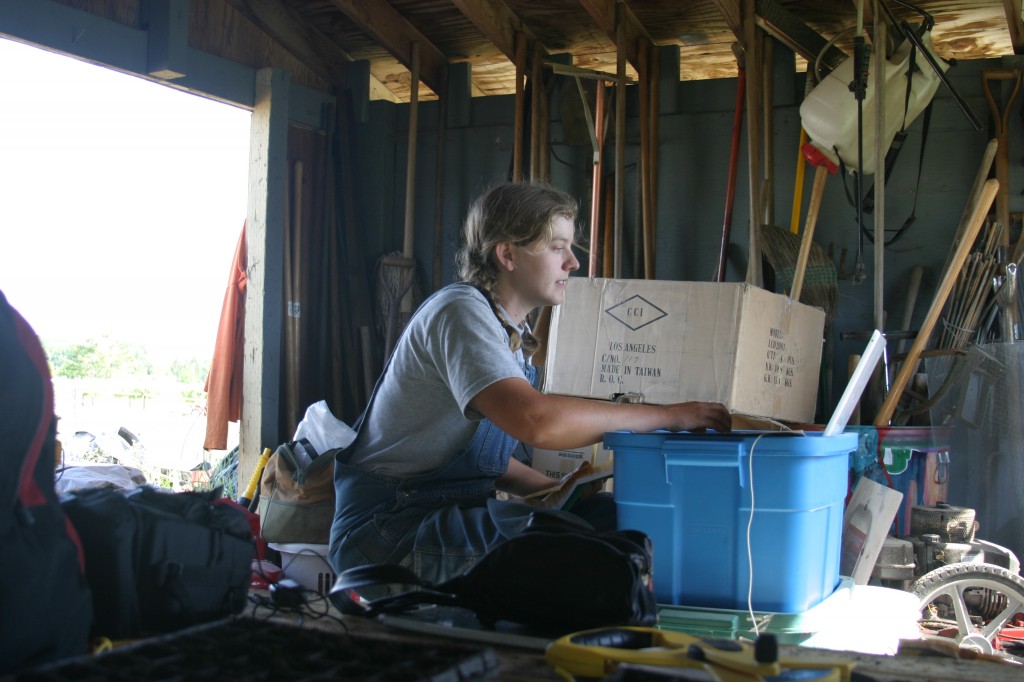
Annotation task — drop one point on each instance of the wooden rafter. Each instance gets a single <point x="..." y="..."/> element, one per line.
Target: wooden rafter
<point x="384" y="24"/>
<point x="730" y="11"/>
<point x="282" y="23"/>
<point x="1015" y="23"/>
<point x="635" y="36"/>
<point x="498" y="23"/>
<point x="321" y="54"/>
<point x="778" y="22"/>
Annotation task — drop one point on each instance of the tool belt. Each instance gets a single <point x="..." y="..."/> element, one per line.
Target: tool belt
<point x="296" y="502"/>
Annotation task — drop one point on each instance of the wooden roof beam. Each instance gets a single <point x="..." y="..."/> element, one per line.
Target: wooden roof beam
<point x="1015" y="23"/>
<point x="635" y="35"/>
<point x="394" y="32"/>
<point x="785" y="27"/>
<point x="730" y="11"/>
<point x="499" y="24"/>
<point x="286" y="26"/>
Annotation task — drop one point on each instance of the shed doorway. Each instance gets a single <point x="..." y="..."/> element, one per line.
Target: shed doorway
<point x="121" y="203"/>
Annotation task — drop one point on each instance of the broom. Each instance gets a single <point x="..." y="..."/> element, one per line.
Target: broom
<point x="781" y="249"/>
<point x="804" y="270"/>
<point x="398" y="292"/>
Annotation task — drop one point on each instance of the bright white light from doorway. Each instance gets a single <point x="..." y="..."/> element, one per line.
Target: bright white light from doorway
<point x="121" y="201"/>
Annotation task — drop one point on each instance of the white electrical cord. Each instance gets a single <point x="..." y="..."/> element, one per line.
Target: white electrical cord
<point x="750" y="556"/>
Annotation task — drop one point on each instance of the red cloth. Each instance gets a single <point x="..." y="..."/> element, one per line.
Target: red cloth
<point x="224" y="383"/>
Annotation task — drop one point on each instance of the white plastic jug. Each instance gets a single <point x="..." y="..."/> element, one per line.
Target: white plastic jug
<point x="829" y="112"/>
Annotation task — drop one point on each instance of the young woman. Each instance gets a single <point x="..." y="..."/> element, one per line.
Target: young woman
<point x="417" y="487"/>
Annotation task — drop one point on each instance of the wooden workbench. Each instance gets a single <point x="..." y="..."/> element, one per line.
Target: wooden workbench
<point x="314" y="641"/>
<point x="518" y="664"/>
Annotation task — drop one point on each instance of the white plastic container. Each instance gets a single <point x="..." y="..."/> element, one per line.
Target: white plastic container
<point x="306" y="565"/>
<point x="829" y="112"/>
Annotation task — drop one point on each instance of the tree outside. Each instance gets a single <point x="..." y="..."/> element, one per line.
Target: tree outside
<point x="116" y="405"/>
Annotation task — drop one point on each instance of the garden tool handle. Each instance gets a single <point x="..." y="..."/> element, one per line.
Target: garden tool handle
<point x="956" y="263"/>
<point x="1002" y="128"/>
<point x="250" y="490"/>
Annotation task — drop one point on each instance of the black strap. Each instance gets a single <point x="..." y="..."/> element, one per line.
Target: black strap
<point x="345" y="592"/>
<point x="868" y="201"/>
<point x="901" y="135"/>
<point x="920" y="166"/>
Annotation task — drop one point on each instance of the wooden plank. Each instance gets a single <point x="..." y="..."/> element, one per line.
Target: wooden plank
<point x="752" y="45"/>
<point x="396" y="34"/>
<point x="460" y="77"/>
<point x="956" y="263"/>
<point x="81" y="35"/>
<point x="788" y="29"/>
<point x="620" y="142"/>
<point x="168" y="38"/>
<point x="730" y="11"/>
<point x="633" y="35"/>
<point x="916" y="661"/>
<point x="298" y="36"/>
<point x="499" y="23"/>
<point x="265" y="218"/>
<point x="1015" y="24"/>
<point x="520" y="107"/>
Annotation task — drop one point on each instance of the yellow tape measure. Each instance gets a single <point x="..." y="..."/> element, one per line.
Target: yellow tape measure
<point x="595" y="653"/>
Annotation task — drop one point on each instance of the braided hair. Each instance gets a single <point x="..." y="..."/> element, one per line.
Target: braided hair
<point x="519" y="212"/>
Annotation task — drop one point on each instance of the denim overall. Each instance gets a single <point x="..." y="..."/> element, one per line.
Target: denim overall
<point x="439" y="524"/>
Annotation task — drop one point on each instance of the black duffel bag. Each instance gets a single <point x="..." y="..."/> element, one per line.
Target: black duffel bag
<point x="554" y="578"/>
<point x="158" y="561"/>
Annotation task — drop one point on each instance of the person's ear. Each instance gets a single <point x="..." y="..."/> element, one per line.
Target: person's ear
<point x="503" y="254"/>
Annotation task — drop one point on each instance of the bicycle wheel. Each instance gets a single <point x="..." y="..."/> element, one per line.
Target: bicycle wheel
<point x="980" y="606"/>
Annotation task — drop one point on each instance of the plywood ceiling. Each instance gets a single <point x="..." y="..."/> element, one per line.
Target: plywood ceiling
<point x="485" y="33"/>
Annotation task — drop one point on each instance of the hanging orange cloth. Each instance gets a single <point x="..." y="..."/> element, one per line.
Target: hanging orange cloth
<point x="224" y="383"/>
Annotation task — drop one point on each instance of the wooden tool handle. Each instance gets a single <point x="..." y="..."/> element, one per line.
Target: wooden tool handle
<point x="820" y="176"/>
<point x="988" y="194"/>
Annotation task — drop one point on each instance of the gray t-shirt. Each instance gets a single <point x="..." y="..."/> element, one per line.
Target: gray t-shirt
<point x="453" y="348"/>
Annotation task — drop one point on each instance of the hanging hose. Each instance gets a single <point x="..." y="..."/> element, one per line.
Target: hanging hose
<point x="862" y="59"/>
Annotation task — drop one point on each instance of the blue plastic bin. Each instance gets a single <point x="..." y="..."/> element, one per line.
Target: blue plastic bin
<point x="691" y="493"/>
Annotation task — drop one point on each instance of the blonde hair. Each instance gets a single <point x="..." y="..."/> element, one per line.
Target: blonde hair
<point x="517" y="212"/>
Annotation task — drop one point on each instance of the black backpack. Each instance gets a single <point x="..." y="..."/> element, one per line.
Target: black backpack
<point x="45" y="602"/>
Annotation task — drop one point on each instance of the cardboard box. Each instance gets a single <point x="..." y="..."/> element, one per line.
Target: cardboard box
<point x="757" y="352"/>
<point x="558" y="463"/>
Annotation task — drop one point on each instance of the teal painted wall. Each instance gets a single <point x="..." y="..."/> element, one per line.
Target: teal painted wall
<point x="693" y="169"/>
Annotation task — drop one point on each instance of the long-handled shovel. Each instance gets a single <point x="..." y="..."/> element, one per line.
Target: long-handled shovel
<point x="1002" y="127"/>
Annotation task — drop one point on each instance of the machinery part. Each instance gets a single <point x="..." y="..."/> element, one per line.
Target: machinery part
<point x="931" y="553"/>
<point x="972" y="604"/>
<point x="894" y="567"/>
<point x="951" y="524"/>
